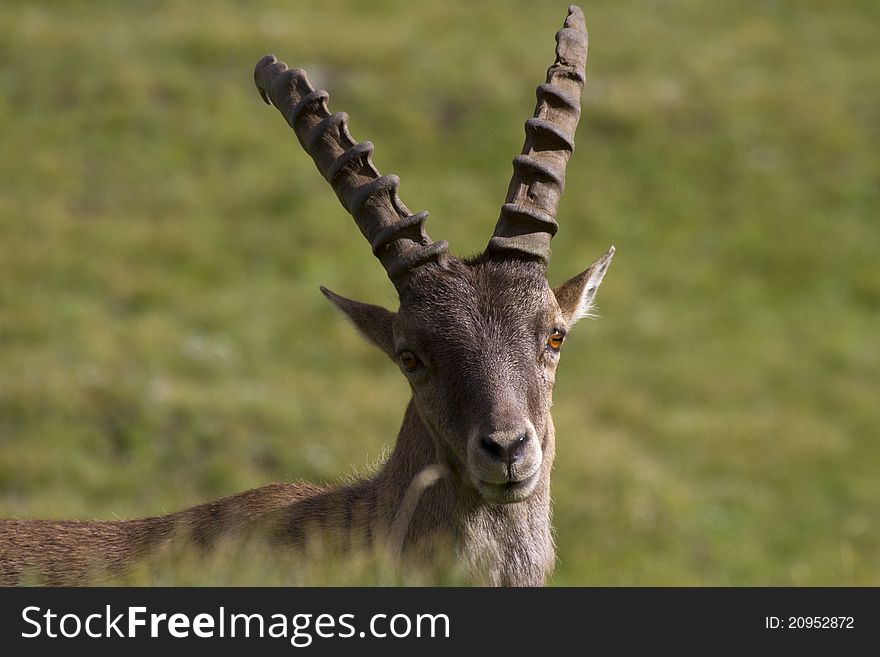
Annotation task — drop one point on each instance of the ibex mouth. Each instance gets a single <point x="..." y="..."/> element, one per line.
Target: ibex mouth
<point x="508" y="492"/>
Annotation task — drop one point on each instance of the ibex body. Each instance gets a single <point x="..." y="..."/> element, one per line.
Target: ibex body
<point x="478" y="341"/>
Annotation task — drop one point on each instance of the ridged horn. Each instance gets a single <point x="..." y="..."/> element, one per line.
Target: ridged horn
<point x="397" y="235"/>
<point x="528" y="216"/>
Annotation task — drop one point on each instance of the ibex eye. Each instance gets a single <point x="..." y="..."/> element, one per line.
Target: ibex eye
<point x="555" y="340"/>
<point x="409" y="360"/>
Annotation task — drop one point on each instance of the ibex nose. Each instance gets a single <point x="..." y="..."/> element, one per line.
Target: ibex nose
<point x="505" y="449"/>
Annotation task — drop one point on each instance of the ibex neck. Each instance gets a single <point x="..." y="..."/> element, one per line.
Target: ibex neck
<point x="424" y="489"/>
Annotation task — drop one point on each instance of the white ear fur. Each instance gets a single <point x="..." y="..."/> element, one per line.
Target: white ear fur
<point x="576" y="296"/>
<point x="594" y="279"/>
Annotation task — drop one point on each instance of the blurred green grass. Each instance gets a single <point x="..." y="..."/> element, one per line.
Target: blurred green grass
<point x="162" y="238"/>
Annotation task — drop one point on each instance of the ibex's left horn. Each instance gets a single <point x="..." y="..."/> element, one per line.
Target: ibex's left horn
<point x="397" y="235"/>
<point x="528" y="216"/>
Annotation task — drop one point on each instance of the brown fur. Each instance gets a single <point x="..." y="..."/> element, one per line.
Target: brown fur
<point x="69" y="552"/>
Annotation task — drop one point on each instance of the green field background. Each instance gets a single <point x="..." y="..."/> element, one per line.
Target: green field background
<point x="163" y="237"/>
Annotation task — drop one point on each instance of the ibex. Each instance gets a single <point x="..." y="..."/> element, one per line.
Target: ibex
<point x="477" y="339"/>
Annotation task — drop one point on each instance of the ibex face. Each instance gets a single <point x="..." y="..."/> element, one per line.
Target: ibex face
<point x="479" y="342"/>
<point x="484" y="373"/>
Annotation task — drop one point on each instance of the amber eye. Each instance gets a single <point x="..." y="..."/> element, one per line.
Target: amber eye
<point x="555" y="340"/>
<point x="409" y="360"/>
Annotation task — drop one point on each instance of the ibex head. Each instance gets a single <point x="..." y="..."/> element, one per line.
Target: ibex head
<point x="478" y="340"/>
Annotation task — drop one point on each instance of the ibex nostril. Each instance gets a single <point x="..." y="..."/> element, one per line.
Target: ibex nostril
<point x="514" y="451"/>
<point x="493" y="447"/>
<point x="506" y="450"/>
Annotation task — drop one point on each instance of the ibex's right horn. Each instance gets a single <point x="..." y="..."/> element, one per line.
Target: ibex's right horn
<point x="528" y="216"/>
<point x="398" y="237"/>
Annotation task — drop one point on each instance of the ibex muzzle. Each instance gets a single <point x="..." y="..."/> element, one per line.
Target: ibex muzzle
<point x="505" y="465"/>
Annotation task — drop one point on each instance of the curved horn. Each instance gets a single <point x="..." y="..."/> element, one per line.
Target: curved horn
<point x="398" y="236"/>
<point x="528" y="216"/>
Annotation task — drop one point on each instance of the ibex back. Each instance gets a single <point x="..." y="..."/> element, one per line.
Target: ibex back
<point x="478" y="341"/>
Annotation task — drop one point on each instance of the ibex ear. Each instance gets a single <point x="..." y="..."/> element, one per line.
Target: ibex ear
<point x="373" y="322"/>
<point x="575" y="296"/>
